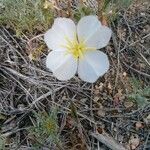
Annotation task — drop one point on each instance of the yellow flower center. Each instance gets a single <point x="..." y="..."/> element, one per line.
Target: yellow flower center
<point x="77" y="49"/>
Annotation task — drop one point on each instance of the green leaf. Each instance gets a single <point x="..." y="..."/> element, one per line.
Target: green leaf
<point x="45" y="127"/>
<point x="146" y="92"/>
<point x="140" y="95"/>
<point x="82" y="11"/>
<point x="2" y="143"/>
<point x="141" y="101"/>
<point x="136" y="84"/>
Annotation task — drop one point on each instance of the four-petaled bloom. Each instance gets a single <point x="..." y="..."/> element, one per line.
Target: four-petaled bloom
<point x="75" y="48"/>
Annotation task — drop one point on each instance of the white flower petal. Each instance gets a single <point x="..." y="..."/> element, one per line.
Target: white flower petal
<point x="86" y="26"/>
<point x="65" y="26"/>
<point x="100" y="38"/>
<point x="62" y="29"/>
<point x="54" y="40"/>
<point x="93" y="33"/>
<point x="93" y="65"/>
<point x="63" y="65"/>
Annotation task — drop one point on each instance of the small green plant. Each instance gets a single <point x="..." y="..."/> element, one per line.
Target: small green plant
<point x="2" y="142"/>
<point x="139" y="95"/>
<point x="45" y="130"/>
<point x="117" y="3"/>
<point x="25" y="15"/>
<point x="82" y="11"/>
<point x="111" y="8"/>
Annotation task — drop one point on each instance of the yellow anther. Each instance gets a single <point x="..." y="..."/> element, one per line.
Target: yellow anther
<point x="76" y="48"/>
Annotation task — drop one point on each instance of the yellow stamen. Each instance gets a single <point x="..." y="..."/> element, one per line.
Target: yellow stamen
<point x="77" y="49"/>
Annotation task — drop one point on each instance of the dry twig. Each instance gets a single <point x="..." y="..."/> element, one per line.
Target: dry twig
<point x="108" y="141"/>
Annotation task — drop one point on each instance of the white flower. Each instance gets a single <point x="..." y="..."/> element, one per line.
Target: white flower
<point x="75" y="48"/>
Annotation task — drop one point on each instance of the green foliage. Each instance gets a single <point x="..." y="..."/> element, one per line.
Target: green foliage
<point x="111" y="7"/>
<point x="117" y="4"/>
<point x="2" y="143"/>
<point x="82" y="11"/>
<point x="45" y="129"/>
<point x="140" y="95"/>
<point x="122" y="3"/>
<point x="25" y="15"/>
<point x="32" y="15"/>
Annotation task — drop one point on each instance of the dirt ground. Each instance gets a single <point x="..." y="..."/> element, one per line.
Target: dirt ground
<point x="113" y="113"/>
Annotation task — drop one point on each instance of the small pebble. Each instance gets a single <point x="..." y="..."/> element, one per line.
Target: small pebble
<point x="101" y="113"/>
<point x="128" y="104"/>
<point x="138" y="125"/>
<point x="142" y="14"/>
<point x="96" y="98"/>
<point x="142" y="41"/>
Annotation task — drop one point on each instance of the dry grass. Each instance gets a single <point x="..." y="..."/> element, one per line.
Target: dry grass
<point x="86" y="116"/>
